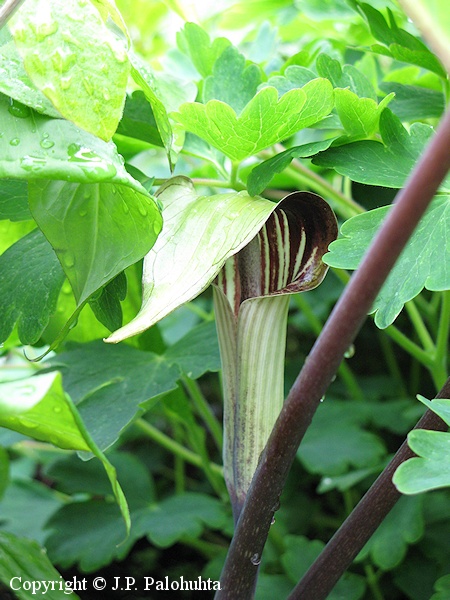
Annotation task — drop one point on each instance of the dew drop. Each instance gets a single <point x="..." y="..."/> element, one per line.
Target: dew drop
<point x="57" y="409"/>
<point x="350" y="351"/>
<point x="272" y="522"/>
<point x="46" y="143"/>
<point x="106" y="96"/>
<point x="126" y="210"/>
<point x="143" y="211"/>
<point x="69" y="261"/>
<point x="17" y="109"/>
<point x="255" y="559"/>
<point x="15" y="142"/>
<point x="82" y="213"/>
<point x="322" y="399"/>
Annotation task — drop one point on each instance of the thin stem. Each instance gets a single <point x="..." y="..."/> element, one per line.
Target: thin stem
<point x="239" y="573"/>
<point x="442" y="338"/>
<point x="372" y="581"/>
<point x="204" y="410"/>
<point x="174" y="447"/>
<point x="413" y="349"/>
<point x="420" y="327"/>
<point x="391" y="360"/>
<point x="353" y="534"/>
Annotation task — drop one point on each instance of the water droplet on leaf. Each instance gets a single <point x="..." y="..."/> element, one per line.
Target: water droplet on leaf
<point x="17" y="109"/>
<point x="15" y="142"/>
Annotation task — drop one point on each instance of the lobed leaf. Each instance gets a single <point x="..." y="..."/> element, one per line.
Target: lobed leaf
<point x="75" y="60"/>
<point x="196" y="43"/>
<point x="264" y="121"/>
<point x="359" y="116"/>
<point x="425" y="262"/>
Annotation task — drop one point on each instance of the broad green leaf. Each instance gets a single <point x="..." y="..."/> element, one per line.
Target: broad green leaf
<point x="98" y="542"/>
<point x="398" y="43"/>
<point x="73" y="476"/>
<point x="39" y="408"/>
<point x="345" y="77"/>
<point x="30" y="281"/>
<point x="24" y="559"/>
<point x="425" y="262"/>
<point x="34" y="146"/>
<point x="197" y="352"/>
<point x="15" y="82"/>
<point x="414" y="103"/>
<point x="138" y="120"/>
<point x="387" y="164"/>
<point x="106" y="304"/>
<point x="294" y="76"/>
<point x="438" y="406"/>
<point x="359" y="116"/>
<point x="195" y="42"/>
<point x="75" y="60"/>
<point x="331" y="450"/>
<point x="299" y="555"/>
<point x="263" y="173"/>
<point x="17" y="518"/>
<point x="118" y="381"/>
<point x="97" y="230"/>
<point x="209" y="229"/>
<point x="232" y="81"/>
<point x="14" y="200"/>
<point x="404" y="525"/>
<point x="264" y="121"/>
<point x="442" y="588"/>
<point x="432" y="18"/>
<point x="183" y="515"/>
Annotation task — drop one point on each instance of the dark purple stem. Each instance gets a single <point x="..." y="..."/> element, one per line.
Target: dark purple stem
<point x="359" y="526"/>
<point x="240" y="569"/>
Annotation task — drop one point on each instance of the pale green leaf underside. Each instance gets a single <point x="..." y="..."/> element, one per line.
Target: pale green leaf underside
<point x="75" y="60"/>
<point x="425" y="262"/>
<point x="39" y="408"/>
<point x="264" y="121"/>
<point x="208" y="230"/>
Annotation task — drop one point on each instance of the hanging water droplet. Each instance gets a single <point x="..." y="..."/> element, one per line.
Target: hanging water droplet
<point x="17" y="109"/>
<point x="322" y="399"/>
<point x="14" y="141"/>
<point x="255" y="559"/>
<point x="350" y="351"/>
<point x="69" y="260"/>
<point x="272" y="522"/>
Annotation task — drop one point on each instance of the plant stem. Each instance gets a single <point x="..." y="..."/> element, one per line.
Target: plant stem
<point x="7" y="9"/>
<point x="413" y="349"/>
<point x="350" y="538"/>
<point x="239" y="572"/>
<point x="174" y="447"/>
<point x="204" y="410"/>
<point x="442" y="339"/>
<point x="419" y="326"/>
<point x="372" y="580"/>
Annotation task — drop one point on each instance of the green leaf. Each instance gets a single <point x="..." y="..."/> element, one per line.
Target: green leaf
<point x="106" y="306"/>
<point x="429" y="470"/>
<point x="197" y="352"/>
<point x="14" y="82"/>
<point x="195" y="42"/>
<point x="24" y="559"/>
<point x="359" y="116"/>
<point x="442" y="588"/>
<point x="232" y="82"/>
<point x="38" y="407"/>
<point x="262" y="174"/>
<point x="75" y="60"/>
<point x="17" y="518"/>
<point x="299" y="555"/>
<point x="14" y="200"/>
<point x="294" y="76"/>
<point x="25" y="298"/>
<point x="209" y="229"/>
<point x="387" y="164"/>
<point x="414" y="103"/>
<point x="331" y="450"/>
<point x="138" y="120"/>
<point x="179" y="516"/>
<point x="404" y="525"/>
<point x="97" y="543"/>
<point x="97" y="230"/>
<point x="4" y="471"/>
<point x="345" y="77"/>
<point x="423" y="263"/>
<point x="399" y="44"/>
<point x="264" y="121"/>
<point x="118" y="381"/>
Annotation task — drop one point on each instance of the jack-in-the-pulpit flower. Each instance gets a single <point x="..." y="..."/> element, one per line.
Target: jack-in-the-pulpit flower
<point x="256" y="253"/>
